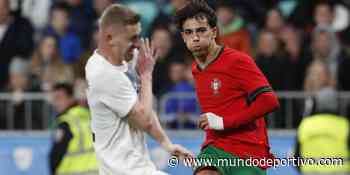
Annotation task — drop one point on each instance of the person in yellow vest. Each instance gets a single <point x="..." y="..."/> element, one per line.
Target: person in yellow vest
<point x="72" y="151"/>
<point x="324" y="134"/>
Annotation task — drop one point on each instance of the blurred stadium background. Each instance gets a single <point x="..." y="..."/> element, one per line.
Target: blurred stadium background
<point x="47" y="41"/>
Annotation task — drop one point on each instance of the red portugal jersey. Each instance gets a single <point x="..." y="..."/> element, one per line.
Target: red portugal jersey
<point x="226" y="86"/>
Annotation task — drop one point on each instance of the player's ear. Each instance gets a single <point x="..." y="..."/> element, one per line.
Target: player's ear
<point x="109" y="38"/>
<point x="215" y="32"/>
<point x="106" y="36"/>
<point x="182" y="35"/>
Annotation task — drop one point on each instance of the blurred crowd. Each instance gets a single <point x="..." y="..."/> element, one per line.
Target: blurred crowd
<point x="299" y="45"/>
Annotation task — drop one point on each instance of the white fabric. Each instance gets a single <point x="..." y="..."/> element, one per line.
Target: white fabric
<point x="37" y="11"/>
<point x="3" y="29"/>
<point x="120" y="148"/>
<point x="215" y="122"/>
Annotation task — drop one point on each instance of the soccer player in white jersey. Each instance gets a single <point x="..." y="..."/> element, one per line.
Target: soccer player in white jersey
<point x="120" y="116"/>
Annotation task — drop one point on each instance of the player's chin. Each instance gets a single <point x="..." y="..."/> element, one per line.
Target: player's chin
<point x="197" y="53"/>
<point x="128" y="56"/>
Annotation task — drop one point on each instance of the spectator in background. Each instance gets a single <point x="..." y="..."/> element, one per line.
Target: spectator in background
<point x="272" y="62"/>
<point x="162" y="40"/>
<point x="326" y="47"/>
<point x="292" y="47"/>
<point x="290" y="43"/>
<point x="148" y="11"/>
<point x="276" y="66"/>
<point x="318" y="77"/>
<point x="324" y="134"/>
<point x="16" y="39"/>
<point x="18" y="85"/>
<point x="324" y="14"/>
<point x="323" y="17"/>
<point x="321" y="11"/>
<point x="232" y="31"/>
<point x="79" y="67"/>
<point x="47" y="66"/>
<point x="274" y="22"/>
<point x="69" y="42"/>
<point x="178" y="4"/>
<point x="180" y="109"/>
<point x="72" y="135"/>
<point x="100" y="5"/>
<point x="254" y="10"/>
<point x="81" y="18"/>
<point x="164" y="19"/>
<point x="37" y="11"/>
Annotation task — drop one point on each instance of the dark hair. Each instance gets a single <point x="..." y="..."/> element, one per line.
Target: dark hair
<point x="276" y="9"/>
<point x="225" y="4"/>
<point x="195" y="9"/>
<point x="66" y="87"/>
<point x="330" y="4"/>
<point x="60" y="6"/>
<point x="162" y="27"/>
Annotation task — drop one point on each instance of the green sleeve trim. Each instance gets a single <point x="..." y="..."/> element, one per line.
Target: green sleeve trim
<point x="252" y="96"/>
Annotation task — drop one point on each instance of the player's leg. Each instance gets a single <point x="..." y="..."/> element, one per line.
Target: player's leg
<point x="208" y="158"/>
<point x="216" y="156"/>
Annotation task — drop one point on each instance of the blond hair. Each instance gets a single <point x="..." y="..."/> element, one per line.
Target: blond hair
<point x="118" y="14"/>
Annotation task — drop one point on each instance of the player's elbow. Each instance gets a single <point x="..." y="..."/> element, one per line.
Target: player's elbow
<point x="271" y="101"/>
<point x="146" y="124"/>
<point x="147" y="120"/>
<point x="140" y="111"/>
<point x="141" y="118"/>
<point x="268" y="102"/>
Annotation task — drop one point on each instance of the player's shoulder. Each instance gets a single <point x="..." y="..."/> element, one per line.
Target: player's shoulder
<point x="97" y="69"/>
<point x="234" y="57"/>
<point x="93" y="65"/>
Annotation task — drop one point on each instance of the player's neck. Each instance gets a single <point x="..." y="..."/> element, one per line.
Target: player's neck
<point x="108" y="55"/>
<point x="205" y="60"/>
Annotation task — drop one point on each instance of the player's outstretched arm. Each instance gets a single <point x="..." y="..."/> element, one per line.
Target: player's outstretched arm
<point x="264" y="104"/>
<point x="157" y="132"/>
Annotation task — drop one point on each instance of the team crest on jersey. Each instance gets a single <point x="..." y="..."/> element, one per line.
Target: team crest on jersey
<point x="215" y="86"/>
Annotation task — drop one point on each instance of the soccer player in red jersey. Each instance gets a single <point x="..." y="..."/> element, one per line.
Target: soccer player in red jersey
<point x="233" y="94"/>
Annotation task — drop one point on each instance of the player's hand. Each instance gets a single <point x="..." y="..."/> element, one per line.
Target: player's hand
<point x="179" y="151"/>
<point x="147" y="58"/>
<point x="210" y="121"/>
<point x="203" y="122"/>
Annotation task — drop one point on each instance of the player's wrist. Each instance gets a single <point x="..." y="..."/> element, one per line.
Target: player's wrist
<point x="146" y="76"/>
<point x="166" y="144"/>
<point x="215" y="122"/>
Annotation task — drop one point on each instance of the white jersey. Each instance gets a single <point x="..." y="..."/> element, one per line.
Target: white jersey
<point x="120" y="148"/>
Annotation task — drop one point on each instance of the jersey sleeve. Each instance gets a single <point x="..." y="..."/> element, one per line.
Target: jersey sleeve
<point x="118" y="94"/>
<point x="249" y="76"/>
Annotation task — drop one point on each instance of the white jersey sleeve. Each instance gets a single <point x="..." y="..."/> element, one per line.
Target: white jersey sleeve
<point x="118" y="94"/>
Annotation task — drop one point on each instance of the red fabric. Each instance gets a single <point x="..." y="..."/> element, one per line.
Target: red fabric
<point x="239" y="40"/>
<point x="222" y="88"/>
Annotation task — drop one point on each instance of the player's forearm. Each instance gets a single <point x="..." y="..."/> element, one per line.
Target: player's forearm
<point x="146" y="97"/>
<point x="157" y="133"/>
<point x="264" y="104"/>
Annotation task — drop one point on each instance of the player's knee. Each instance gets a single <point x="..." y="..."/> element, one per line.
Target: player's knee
<point x="207" y="171"/>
